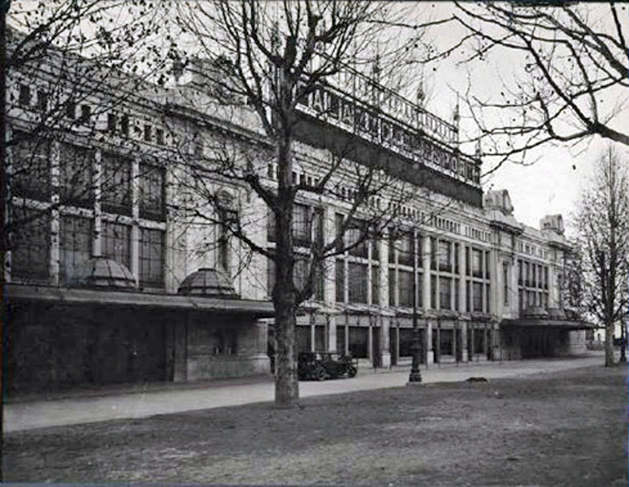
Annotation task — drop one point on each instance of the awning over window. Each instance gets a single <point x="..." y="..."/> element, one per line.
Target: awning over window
<point x="547" y="323"/>
<point x="22" y="293"/>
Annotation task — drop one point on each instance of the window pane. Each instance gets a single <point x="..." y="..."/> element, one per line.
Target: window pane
<point x="152" y="192"/>
<point x="116" y="184"/>
<point x="75" y="171"/>
<point x="75" y="244"/>
<point x="405" y="288"/>
<point x="30" y="254"/>
<point x="375" y="285"/>
<point x="301" y="225"/>
<point x="117" y="242"/>
<point x="445" y="293"/>
<point x="270" y="277"/>
<point x="151" y="257"/>
<point x="340" y="281"/>
<point x="445" y="256"/>
<point x="478" y="296"/>
<point x="477" y="263"/>
<point x="30" y="173"/>
<point x="357" y="283"/>
<point x="405" y="256"/>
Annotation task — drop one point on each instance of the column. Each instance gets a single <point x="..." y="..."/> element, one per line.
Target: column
<point x="494" y="289"/>
<point x="385" y="322"/>
<point x="331" y="330"/>
<point x="135" y="228"/>
<point x="329" y="267"/>
<point x="553" y="288"/>
<point x="462" y="297"/>
<point x="313" y="335"/>
<point x="98" y="178"/>
<point x="513" y="302"/>
<point x="370" y="354"/>
<point x="426" y="249"/>
<point x="464" y="351"/>
<point x="54" y="215"/>
<point x="430" y="353"/>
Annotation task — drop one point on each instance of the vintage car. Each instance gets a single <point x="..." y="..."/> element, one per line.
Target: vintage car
<point x="325" y="365"/>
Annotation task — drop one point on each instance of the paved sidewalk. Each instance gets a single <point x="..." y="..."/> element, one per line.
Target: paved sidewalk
<point x="136" y="403"/>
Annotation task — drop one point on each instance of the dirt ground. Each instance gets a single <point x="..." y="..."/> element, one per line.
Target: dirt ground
<point x="561" y="429"/>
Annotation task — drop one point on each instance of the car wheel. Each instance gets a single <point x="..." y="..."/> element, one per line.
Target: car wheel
<point x="352" y="372"/>
<point x="320" y="373"/>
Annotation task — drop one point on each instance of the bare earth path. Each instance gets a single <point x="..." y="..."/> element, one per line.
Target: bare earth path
<point x="564" y="428"/>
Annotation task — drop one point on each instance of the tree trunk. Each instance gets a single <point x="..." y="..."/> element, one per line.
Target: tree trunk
<point x="4" y="8"/>
<point x="609" y="344"/>
<point x="284" y="294"/>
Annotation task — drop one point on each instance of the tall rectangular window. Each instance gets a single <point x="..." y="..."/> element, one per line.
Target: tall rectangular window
<point x="270" y="276"/>
<point x="271" y="227"/>
<point x="477" y="263"/>
<point x="375" y="285"/>
<point x="340" y="281"/>
<point x="405" y="254"/>
<point x="30" y="177"/>
<point x="392" y="248"/>
<point x="301" y="225"/>
<point x="30" y="253"/>
<point x="301" y="271"/>
<point x="152" y="192"/>
<point x="75" y="246"/>
<point x="392" y="284"/>
<point x="433" y="253"/>
<point x="405" y="288"/>
<point x="445" y="293"/>
<point x="520" y="273"/>
<point x="75" y="171"/>
<point x="433" y="292"/>
<point x="151" y="257"/>
<point x="478" y="296"/>
<point x="357" y="284"/>
<point x="445" y="256"/>
<point x="116" y="243"/>
<point x="505" y="281"/>
<point x="116" y="184"/>
<point x="356" y="240"/>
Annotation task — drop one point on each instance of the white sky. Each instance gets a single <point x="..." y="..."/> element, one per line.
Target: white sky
<point x="551" y="185"/>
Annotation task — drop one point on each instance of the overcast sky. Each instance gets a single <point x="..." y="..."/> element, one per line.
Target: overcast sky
<point x="551" y="185"/>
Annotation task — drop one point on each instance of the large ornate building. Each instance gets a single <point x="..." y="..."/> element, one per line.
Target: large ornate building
<point x="120" y="271"/>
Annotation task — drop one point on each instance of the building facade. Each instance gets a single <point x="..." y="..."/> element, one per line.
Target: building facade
<point x="121" y="268"/>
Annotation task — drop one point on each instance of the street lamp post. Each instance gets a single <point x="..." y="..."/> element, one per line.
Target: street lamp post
<point x="415" y="375"/>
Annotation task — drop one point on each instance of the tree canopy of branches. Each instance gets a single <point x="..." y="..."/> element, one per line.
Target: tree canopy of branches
<point x="44" y="73"/>
<point x="570" y="60"/>
<point x="271" y="56"/>
<point x="603" y="243"/>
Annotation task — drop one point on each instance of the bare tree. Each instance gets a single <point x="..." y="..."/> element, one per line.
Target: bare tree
<point x="603" y="241"/>
<point x="567" y="79"/>
<point x="57" y="58"/>
<point x="271" y="59"/>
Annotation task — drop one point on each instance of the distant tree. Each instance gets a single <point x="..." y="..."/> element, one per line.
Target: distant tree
<point x="603" y="242"/>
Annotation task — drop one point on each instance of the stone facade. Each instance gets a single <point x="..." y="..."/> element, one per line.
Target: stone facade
<point x="114" y="185"/>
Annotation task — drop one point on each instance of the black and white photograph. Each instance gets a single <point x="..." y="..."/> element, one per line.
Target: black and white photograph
<point x="314" y="242"/>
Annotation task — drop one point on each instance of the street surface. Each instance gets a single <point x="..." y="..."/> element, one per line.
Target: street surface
<point x="43" y="413"/>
